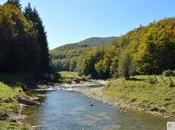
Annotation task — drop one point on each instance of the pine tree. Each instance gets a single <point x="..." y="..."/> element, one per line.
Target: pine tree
<point x="14" y="2"/>
<point x="18" y="45"/>
<point x="33" y="15"/>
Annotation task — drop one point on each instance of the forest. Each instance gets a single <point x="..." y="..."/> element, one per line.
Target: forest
<point x="146" y="50"/>
<point x="65" y="58"/>
<point x="23" y="41"/>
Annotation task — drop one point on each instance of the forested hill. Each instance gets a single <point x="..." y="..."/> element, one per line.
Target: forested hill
<point x="145" y="50"/>
<point x="65" y="57"/>
<point x="90" y="42"/>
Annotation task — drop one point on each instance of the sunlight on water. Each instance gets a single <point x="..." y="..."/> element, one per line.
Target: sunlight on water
<point x="70" y="110"/>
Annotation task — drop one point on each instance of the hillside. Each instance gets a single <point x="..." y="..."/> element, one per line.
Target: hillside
<point x="144" y="50"/>
<point x="67" y="60"/>
<point x="90" y="42"/>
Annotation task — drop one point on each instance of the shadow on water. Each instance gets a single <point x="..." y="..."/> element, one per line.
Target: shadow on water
<point x="71" y="110"/>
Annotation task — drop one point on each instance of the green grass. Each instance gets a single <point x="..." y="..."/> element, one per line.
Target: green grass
<point x="9" y="104"/>
<point x="67" y="74"/>
<point x="8" y="101"/>
<point x="69" y="77"/>
<point x="10" y="88"/>
<point x="11" y="126"/>
<point x="140" y="93"/>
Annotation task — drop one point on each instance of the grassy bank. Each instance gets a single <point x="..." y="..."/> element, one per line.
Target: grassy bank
<point x="11" y="126"/>
<point x="10" y="91"/>
<point x="69" y="77"/>
<point x="155" y="97"/>
<point x="9" y="105"/>
<point x="8" y="102"/>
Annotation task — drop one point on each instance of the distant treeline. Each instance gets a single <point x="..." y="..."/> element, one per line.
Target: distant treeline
<point x="145" y="50"/>
<point x="23" y="40"/>
<point x="66" y="57"/>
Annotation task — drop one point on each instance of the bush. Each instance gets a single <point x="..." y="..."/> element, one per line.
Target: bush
<point x="168" y="73"/>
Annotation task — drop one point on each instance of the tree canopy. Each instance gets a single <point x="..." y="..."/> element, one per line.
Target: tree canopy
<point x="144" y="50"/>
<point x="23" y="41"/>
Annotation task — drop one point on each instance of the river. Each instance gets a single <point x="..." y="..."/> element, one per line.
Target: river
<point x="70" y="110"/>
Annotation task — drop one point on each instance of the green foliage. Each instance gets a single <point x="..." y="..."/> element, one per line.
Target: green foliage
<point x="17" y="36"/>
<point x="145" y="50"/>
<point x="14" y="2"/>
<point x="88" y="63"/>
<point x="23" y="41"/>
<point x="102" y="68"/>
<point x="67" y="57"/>
<point x="114" y="68"/>
<point x="32" y="14"/>
<point x="156" y="51"/>
<point x="125" y="66"/>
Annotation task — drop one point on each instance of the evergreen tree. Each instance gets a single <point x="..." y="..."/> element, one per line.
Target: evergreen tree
<point x="33" y="15"/>
<point x="18" y="45"/>
<point x="14" y="2"/>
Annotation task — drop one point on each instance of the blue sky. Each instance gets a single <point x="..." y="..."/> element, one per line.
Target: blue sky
<point x="68" y="21"/>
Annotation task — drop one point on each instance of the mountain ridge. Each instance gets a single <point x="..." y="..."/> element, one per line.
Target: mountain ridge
<point x="92" y="41"/>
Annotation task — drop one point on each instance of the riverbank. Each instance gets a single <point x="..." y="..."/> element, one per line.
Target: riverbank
<point x="13" y="98"/>
<point x="156" y="99"/>
<point x="138" y="95"/>
<point x="10" y="107"/>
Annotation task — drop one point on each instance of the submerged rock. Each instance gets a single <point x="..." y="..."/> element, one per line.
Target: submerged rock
<point x="91" y="105"/>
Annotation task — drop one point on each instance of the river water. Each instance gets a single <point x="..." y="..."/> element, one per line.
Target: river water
<point x="70" y="110"/>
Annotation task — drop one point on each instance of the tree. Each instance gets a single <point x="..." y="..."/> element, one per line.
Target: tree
<point x="102" y="68"/>
<point x="125" y="67"/>
<point x="114" y="67"/>
<point x="14" y="2"/>
<point x="33" y="15"/>
<point x="156" y="51"/>
<point x="18" y="45"/>
<point x="87" y="65"/>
